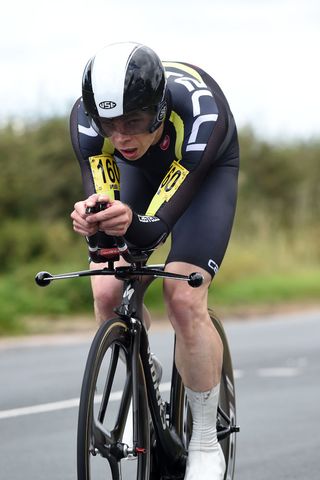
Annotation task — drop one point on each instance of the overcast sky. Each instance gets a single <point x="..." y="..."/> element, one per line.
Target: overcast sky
<point x="263" y="53"/>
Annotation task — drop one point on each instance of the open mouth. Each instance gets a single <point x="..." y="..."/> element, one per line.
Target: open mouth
<point x="129" y="152"/>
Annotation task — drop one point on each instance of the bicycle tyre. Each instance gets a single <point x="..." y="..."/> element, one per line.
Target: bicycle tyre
<point x="227" y="400"/>
<point x="180" y="413"/>
<point x="112" y="337"/>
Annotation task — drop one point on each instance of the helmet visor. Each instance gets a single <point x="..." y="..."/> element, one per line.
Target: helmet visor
<point x="133" y="123"/>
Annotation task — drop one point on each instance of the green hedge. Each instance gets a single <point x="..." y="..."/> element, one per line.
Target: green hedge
<point x="275" y="239"/>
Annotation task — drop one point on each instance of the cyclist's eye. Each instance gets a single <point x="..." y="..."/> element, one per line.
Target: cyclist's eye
<point x="134" y="125"/>
<point x="107" y="124"/>
<point x="134" y="122"/>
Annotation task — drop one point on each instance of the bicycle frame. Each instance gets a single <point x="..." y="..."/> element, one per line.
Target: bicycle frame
<point x="170" y="450"/>
<point x="169" y="444"/>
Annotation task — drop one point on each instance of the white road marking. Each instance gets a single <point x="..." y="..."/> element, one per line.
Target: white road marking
<point x="276" y="372"/>
<point x="279" y="372"/>
<point x="43" y="408"/>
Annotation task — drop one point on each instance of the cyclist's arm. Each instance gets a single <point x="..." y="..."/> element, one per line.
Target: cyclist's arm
<point x="174" y="197"/>
<point x="204" y="125"/>
<point x="146" y="231"/>
<point x="86" y="143"/>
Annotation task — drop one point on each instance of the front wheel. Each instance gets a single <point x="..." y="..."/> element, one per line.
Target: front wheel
<point x="105" y="449"/>
<point x="226" y="417"/>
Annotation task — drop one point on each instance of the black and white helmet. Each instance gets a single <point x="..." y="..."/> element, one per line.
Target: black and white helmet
<point x="122" y="79"/>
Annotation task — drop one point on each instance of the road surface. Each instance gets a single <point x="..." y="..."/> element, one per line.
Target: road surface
<point x="277" y="368"/>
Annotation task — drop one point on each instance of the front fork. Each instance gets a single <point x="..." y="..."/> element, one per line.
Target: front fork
<point x="131" y="306"/>
<point x="136" y="372"/>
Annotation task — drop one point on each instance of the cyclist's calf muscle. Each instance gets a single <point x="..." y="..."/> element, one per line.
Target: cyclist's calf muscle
<point x="199" y="347"/>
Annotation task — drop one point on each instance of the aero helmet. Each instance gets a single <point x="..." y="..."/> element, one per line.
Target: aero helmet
<point x="120" y="79"/>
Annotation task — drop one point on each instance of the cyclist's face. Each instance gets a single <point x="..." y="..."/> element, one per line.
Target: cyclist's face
<point x="133" y="123"/>
<point x="130" y="133"/>
<point x="133" y="147"/>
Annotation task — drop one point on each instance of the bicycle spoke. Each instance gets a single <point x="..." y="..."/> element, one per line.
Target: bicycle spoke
<point x="108" y="383"/>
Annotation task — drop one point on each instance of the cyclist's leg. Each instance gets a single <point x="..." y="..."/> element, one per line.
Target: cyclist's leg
<point x="199" y="349"/>
<point x="199" y="361"/>
<point x="198" y="345"/>
<point x="210" y="215"/>
<point x="106" y="292"/>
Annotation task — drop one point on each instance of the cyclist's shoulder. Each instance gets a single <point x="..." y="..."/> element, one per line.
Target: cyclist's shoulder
<point x="187" y="84"/>
<point x="183" y="69"/>
<point x="78" y="115"/>
<point x="85" y="140"/>
<point x="185" y="77"/>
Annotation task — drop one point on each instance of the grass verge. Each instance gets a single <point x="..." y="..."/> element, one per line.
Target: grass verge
<point x="247" y="281"/>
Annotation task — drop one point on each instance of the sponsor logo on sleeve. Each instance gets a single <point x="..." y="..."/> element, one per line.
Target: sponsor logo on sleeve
<point x="148" y="219"/>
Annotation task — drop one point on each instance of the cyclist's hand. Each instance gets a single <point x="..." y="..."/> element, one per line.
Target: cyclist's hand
<point x="114" y="220"/>
<point x="80" y="217"/>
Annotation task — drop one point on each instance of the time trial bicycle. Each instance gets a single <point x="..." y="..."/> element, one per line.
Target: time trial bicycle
<point x="126" y="430"/>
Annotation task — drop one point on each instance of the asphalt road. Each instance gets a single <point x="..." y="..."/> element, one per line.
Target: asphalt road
<point x="276" y="361"/>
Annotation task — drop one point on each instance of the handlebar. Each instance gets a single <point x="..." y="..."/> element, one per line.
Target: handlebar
<point x="99" y="254"/>
<point x="136" y="260"/>
<point x="195" y="279"/>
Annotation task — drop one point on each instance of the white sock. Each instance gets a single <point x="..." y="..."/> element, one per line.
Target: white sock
<point x="205" y="458"/>
<point x="203" y="407"/>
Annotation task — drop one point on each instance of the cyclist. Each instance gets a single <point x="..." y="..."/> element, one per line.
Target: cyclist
<point x="168" y="130"/>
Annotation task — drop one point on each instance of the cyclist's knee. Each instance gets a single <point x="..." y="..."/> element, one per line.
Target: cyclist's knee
<point x="186" y="307"/>
<point x="106" y="295"/>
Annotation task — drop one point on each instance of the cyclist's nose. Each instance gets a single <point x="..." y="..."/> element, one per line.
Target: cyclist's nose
<point x="120" y="138"/>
